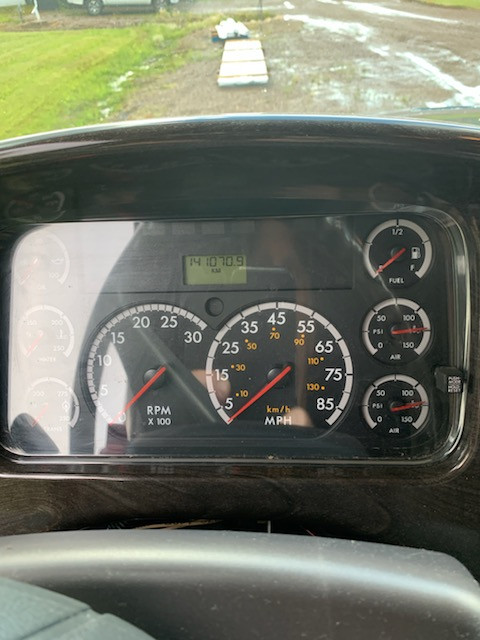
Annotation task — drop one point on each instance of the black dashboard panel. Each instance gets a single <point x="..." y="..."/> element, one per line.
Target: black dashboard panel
<point x="297" y="338"/>
<point x="361" y="172"/>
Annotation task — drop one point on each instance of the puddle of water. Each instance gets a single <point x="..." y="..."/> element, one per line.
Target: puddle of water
<point x="384" y="51"/>
<point x="379" y="10"/>
<point x="116" y="85"/>
<point x="464" y="96"/>
<point x="356" y="30"/>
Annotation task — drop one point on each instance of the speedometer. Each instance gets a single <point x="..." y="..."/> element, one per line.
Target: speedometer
<point x="279" y="363"/>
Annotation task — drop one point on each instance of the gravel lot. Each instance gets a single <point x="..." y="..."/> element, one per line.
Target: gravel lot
<point x="323" y="56"/>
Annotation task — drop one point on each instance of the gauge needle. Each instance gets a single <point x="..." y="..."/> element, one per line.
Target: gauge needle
<point x="34" y="344"/>
<point x="261" y="393"/>
<point x="410" y="405"/>
<point x="139" y="394"/>
<point x="399" y="253"/>
<point x="398" y="332"/>
<point x="40" y="415"/>
<point x="29" y="271"/>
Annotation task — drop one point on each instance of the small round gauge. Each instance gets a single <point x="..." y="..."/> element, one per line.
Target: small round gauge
<point x="397" y="252"/>
<point x="45" y="334"/>
<point x="52" y="405"/>
<point x="396" y="406"/>
<point x="279" y="363"/>
<point x="396" y="331"/>
<point x="42" y="262"/>
<point x="145" y="369"/>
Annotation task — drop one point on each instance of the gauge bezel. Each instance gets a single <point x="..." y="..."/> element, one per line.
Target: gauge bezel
<point x="397" y="377"/>
<point x="59" y="312"/>
<point x="335" y="417"/>
<point x="104" y="327"/>
<point x="397" y="222"/>
<point x="424" y="343"/>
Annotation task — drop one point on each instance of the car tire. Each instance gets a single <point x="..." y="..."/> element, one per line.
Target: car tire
<point x="94" y="7"/>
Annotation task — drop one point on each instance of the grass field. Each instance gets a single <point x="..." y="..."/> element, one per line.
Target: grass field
<point x="468" y="4"/>
<point x="57" y="79"/>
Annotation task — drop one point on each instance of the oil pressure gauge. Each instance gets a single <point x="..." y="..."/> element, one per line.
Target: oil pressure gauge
<point x="397" y="252"/>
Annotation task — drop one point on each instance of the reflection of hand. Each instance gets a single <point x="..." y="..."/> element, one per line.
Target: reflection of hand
<point x="299" y="417"/>
<point x="222" y="387"/>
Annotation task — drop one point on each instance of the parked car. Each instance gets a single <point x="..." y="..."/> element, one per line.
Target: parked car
<point x="95" y="7"/>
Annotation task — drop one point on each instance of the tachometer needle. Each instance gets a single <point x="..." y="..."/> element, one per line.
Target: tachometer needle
<point x="139" y="394"/>
<point x="261" y="393"/>
<point x="405" y="407"/>
<point x="399" y="253"/>
<point x="398" y="332"/>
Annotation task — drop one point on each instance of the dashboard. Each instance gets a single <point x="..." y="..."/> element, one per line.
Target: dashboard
<point x="243" y="320"/>
<point x="320" y="337"/>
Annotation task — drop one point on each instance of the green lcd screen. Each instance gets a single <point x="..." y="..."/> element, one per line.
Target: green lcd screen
<point x="215" y="269"/>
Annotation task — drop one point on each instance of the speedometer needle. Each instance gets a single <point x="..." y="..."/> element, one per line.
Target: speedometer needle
<point x="261" y="393"/>
<point x="139" y="394"/>
<point x="397" y="255"/>
<point x="410" y="405"/>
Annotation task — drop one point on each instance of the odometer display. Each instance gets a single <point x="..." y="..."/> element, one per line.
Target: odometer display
<point x="279" y="364"/>
<point x="215" y="269"/>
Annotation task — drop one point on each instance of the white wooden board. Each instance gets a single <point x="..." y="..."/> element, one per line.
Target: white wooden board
<point x="243" y="64"/>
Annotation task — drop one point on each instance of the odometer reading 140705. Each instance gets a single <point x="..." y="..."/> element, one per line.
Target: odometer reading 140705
<point x="279" y="363"/>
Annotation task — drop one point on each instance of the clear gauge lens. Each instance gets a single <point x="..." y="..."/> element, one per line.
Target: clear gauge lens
<point x="145" y="371"/>
<point x="42" y="262"/>
<point x="51" y="411"/>
<point x="396" y="331"/>
<point x="277" y="364"/>
<point x="396" y="406"/>
<point x="397" y="252"/>
<point x="45" y="335"/>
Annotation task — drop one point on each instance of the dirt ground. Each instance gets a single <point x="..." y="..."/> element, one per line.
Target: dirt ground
<point x="323" y="56"/>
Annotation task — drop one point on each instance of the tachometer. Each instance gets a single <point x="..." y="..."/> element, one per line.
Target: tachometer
<point x="279" y="363"/>
<point x="145" y="370"/>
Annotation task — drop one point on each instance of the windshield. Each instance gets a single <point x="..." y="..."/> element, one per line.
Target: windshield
<point x="82" y="62"/>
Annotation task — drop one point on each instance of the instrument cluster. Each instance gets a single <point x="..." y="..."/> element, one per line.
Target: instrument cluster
<point x="320" y="338"/>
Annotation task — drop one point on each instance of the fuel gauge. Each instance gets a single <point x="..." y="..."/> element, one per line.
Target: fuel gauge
<point x="397" y="252"/>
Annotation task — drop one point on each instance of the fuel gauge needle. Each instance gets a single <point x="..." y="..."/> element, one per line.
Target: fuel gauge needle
<point x="396" y="256"/>
<point x="139" y="394"/>
<point x="261" y="393"/>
